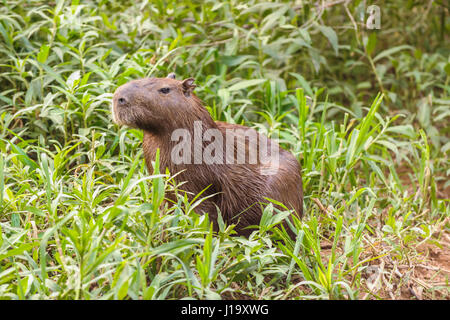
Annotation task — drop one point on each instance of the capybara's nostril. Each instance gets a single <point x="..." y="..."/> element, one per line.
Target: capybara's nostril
<point x="121" y="100"/>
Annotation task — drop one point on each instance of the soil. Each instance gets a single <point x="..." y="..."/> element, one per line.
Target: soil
<point x="426" y="277"/>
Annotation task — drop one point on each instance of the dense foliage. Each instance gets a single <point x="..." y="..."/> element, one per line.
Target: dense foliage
<point x="366" y="112"/>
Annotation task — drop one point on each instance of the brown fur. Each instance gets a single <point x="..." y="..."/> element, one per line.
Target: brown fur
<point x="239" y="188"/>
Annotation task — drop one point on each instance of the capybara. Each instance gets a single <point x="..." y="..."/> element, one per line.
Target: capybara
<point x="236" y="167"/>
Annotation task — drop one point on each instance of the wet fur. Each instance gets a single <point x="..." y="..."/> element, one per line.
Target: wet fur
<point x="239" y="188"/>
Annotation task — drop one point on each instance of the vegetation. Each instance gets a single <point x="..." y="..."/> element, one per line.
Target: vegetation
<point x="366" y="112"/>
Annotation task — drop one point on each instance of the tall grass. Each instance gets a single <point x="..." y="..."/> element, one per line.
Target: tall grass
<point x="364" y="112"/>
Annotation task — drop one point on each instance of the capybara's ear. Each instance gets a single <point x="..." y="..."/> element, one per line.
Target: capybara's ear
<point x="171" y="75"/>
<point x="188" y="85"/>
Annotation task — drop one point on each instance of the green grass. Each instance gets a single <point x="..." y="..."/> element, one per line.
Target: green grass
<point x="365" y="112"/>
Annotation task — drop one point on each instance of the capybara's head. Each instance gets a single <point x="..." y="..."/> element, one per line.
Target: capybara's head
<point x="154" y="103"/>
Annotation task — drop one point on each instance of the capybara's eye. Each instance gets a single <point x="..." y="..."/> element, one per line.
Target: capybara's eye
<point x="164" y="90"/>
<point x="121" y="100"/>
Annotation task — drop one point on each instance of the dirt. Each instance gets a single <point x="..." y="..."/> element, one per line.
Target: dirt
<point x="425" y="277"/>
<point x="434" y="272"/>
